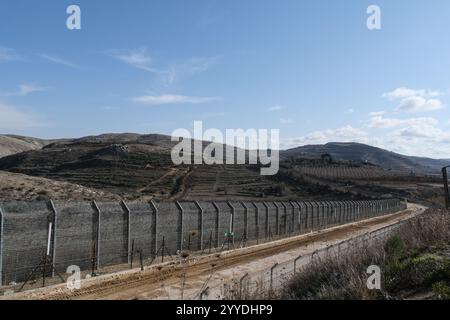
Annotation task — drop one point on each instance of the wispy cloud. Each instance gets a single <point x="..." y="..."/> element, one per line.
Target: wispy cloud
<point x="24" y="90"/>
<point x="169" y="72"/>
<point x="419" y="139"/>
<point x="11" y="118"/>
<point x="404" y="92"/>
<point x="350" y="111"/>
<point x="138" y="59"/>
<point x="413" y="101"/>
<point x="59" y="60"/>
<point x="8" y="54"/>
<point x="377" y="120"/>
<point x="275" y="108"/>
<point x="420" y="104"/>
<point x="171" y="99"/>
<point x="189" y="67"/>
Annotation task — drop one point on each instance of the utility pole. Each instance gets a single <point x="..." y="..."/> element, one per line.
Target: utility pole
<point x="446" y="191"/>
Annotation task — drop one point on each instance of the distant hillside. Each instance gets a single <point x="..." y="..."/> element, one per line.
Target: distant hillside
<point x="358" y="152"/>
<point x="160" y="140"/>
<point x="10" y="144"/>
<point x="139" y="167"/>
<point x="133" y="165"/>
<point x="355" y="152"/>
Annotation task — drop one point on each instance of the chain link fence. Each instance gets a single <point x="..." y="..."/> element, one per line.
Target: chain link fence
<point x="40" y="240"/>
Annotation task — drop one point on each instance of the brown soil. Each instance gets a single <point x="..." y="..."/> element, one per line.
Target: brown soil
<point x="16" y="186"/>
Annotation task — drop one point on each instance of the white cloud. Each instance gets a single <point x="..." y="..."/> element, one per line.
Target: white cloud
<point x="199" y="64"/>
<point x="411" y="100"/>
<point x="58" y="60"/>
<point x="169" y="72"/>
<point x="377" y="120"/>
<point x="415" y="137"/>
<point x="404" y="92"/>
<point x="24" y="90"/>
<point x="138" y="59"/>
<point x="11" y="118"/>
<point x="419" y="140"/>
<point x="275" y="108"/>
<point x="376" y="113"/>
<point x="7" y="55"/>
<point x="171" y="99"/>
<point x="422" y="131"/>
<point x="188" y="68"/>
<point x="350" y="111"/>
<point x="420" y="104"/>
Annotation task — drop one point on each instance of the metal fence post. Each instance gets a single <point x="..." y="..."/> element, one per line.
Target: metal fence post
<point x="277" y="218"/>
<point x="200" y="225"/>
<point x="98" y="232"/>
<point x="309" y="216"/>
<point x="2" y="222"/>
<point x="446" y="190"/>
<point x="256" y="221"/>
<point x="53" y="236"/>
<point x="240" y="285"/>
<point x="271" y="277"/>
<point x="217" y="224"/>
<point x="233" y="212"/>
<point x="295" y="263"/>
<point x="245" y="219"/>
<point x="128" y="228"/>
<point x="154" y="245"/>
<point x="296" y="224"/>
<point x="203" y="293"/>
<point x="180" y="234"/>
<point x="286" y="217"/>
<point x="266" y="226"/>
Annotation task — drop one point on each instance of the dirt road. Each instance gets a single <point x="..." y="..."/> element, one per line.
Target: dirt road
<point x="175" y="280"/>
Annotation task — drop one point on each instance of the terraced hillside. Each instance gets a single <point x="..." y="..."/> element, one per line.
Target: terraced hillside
<point x="135" y="166"/>
<point x="231" y="181"/>
<point x="139" y="167"/>
<point x="335" y="171"/>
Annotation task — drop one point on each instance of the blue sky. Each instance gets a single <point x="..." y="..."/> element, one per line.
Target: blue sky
<point x="310" y="68"/>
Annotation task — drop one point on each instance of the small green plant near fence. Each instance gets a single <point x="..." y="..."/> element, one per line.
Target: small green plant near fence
<point x="395" y="247"/>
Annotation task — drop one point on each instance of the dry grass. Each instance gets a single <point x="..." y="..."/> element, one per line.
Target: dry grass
<point x="414" y="259"/>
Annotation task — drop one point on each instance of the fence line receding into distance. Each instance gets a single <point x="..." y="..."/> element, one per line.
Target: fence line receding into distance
<point x="94" y="235"/>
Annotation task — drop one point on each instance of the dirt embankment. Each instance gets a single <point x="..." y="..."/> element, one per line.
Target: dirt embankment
<point x="20" y="187"/>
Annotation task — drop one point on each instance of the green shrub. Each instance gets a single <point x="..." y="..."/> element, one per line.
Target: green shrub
<point x="442" y="290"/>
<point x="394" y="247"/>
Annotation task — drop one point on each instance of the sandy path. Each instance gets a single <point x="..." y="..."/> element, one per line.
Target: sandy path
<point x="166" y="281"/>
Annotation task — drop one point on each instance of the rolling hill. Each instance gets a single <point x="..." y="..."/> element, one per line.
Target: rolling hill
<point x="133" y="166"/>
<point x="11" y="144"/>
<point x="361" y="153"/>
